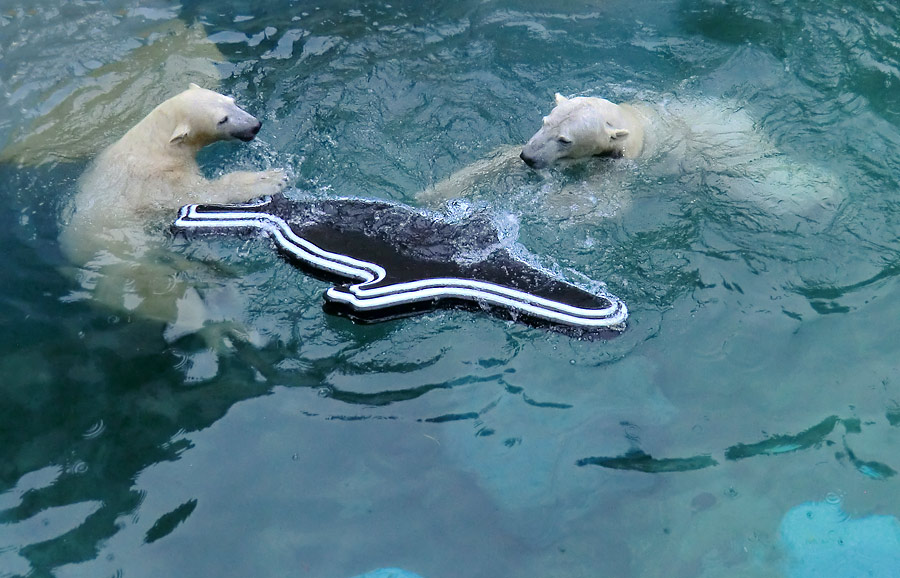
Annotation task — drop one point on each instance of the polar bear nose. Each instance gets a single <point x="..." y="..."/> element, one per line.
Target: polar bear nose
<point x="528" y="160"/>
<point x="249" y="133"/>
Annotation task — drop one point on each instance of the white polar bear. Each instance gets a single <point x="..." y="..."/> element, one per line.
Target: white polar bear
<point x="576" y="129"/>
<point x="114" y="232"/>
<point x="711" y="142"/>
<point x="152" y="170"/>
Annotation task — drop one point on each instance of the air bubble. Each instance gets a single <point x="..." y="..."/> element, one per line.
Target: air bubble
<point x="834" y="498"/>
<point x="94" y="431"/>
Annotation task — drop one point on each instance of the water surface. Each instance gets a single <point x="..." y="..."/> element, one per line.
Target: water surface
<point x="758" y="371"/>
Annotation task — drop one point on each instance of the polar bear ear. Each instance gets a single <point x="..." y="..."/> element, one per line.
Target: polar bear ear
<point x="560" y="98"/>
<point x="181" y="132"/>
<point x="615" y="133"/>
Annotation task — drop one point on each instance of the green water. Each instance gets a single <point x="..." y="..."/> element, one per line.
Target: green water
<point x="759" y="369"/>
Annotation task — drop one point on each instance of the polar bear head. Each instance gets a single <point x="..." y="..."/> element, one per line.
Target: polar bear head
<point x="583" y="127"/>
<point x="201" y="117"/>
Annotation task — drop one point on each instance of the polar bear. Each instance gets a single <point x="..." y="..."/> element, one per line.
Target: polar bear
<point x="583" y="127"/>
<point x="152" y="170"/>
<point x="114" y="231"/>
<point x="576" y="129"/>
<point x="564" y="172"/>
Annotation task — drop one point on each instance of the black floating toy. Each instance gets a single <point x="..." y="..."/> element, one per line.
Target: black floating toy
<point x="389" y="260"/>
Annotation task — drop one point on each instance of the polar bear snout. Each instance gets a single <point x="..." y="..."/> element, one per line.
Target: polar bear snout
<point x="248" y="133"/>
<point x="235" y="122"/>
<point x="528" y="160"/>
<point x="532" y="160"/>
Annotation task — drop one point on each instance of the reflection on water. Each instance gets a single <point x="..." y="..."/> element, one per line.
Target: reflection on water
<point x="757" y="373"/>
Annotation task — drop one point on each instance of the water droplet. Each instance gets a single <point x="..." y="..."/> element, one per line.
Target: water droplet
<point x="632" y="432"/>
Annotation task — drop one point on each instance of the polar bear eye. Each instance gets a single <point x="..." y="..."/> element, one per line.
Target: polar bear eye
<point x="564" y="140"/>
<point x="224" y="120"/>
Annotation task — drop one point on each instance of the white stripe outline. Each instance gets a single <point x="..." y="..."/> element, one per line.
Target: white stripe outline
<point x="361" y="298"/>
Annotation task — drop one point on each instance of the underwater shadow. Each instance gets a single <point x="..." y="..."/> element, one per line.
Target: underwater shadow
<point x="814" y="437"/>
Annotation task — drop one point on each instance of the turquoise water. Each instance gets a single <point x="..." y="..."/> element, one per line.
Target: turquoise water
<point x="758" y="371"/>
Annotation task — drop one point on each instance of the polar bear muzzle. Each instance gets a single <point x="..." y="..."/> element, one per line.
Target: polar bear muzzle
<point x="249" y="133"/>
<point x="532" y="160"/>
<point x="238" y="123"/>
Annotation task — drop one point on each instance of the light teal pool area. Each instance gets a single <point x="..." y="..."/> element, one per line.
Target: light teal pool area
<point x="747" y="416"/>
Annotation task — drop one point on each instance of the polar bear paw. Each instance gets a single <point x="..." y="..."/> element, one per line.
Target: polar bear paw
<point x="246" y="184"/>
<point x="273" y="181"/>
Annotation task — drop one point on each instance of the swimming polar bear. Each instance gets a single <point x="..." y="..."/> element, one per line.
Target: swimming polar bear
<point x="114" y="230"/>
<point x="564" y="169"/>
<point x="576" y="129"/>
<point x="152" y="170"/>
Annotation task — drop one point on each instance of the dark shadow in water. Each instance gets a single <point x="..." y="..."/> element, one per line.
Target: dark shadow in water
<point x="169" y="521"/>
<point x="639" y="461"/>
<point x="380" y="398"/>
<point x="893" y="416"/>
<point x="781" y="444"/>
<point x="823" y="299"/>
<point x="871" y="469"/>
<point x="816" y="436"/>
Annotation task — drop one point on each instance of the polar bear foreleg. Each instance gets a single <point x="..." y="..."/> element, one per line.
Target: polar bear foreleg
<point x="244" y="185"/>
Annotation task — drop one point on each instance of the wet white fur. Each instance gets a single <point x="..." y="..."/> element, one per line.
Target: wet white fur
<point x="152" y="171"/>
<point x="114" y="231"/>
<point x="708" y="142"/>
